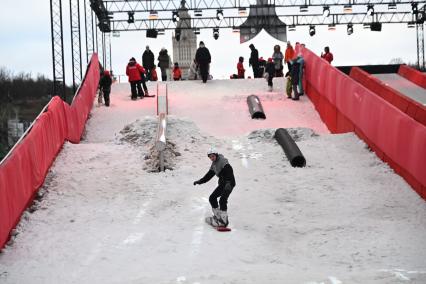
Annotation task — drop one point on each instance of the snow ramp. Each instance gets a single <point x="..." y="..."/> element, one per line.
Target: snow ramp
<point x="107" y="217"/>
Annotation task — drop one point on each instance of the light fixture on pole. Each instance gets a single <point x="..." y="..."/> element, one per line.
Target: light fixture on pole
<point x="215" y="33"/>
<point x="326" y="11"/>
<point x="370" y="10"/>
<point x="347" y="8"/>
<point x="175" y="16"/>
<point x="153" y="15"/>
<point x="350" y="29"/>
<point x="131" y="18"/>
<point x="219" y="14"/>
<point x="242" y="12"/>
<point x="304" y="8"/>
<point x="311" y="30"/>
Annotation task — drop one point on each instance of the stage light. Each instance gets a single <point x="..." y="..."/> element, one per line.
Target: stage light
<point x="175" y="16"/>
<point x="242" y="11"/>
<point x="350" y="29"/>
<point x="331" y="27"/>
<point x="161" y="32"/>
<point x="291" y="28"/>
<point x="411" y="25"/>
<point x="153" y="15"/>
<point x="196" y="31"/>
<point x="347" y="8"/>
<point x="311" y="30"/>
<point x="392" y="6"/>
<point x="366" y="26"/>
<point x="304" y="8"/>
<point x="414" y="8"/>
<point x="370" y="10"/>
<point x="131" y="18"/>
<point x="326" y="11"/>
<point x="235" y="29"/>
<point x="198" y="13"/>
<point x="219" y="14"/>
<point x="215" y="33"/>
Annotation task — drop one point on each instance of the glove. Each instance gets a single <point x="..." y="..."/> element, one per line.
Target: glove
<point x="196" y="182"/>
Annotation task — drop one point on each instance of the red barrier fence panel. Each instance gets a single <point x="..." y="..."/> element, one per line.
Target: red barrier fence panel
<point x="23" y="171"/>
<point x="412" y="75"/>
<point x="409" y="106"/>
<point x="397" y="138"/>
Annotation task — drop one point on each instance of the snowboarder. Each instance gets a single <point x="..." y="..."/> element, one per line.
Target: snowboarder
<point x="134" y="71"/>
<point x="223" y="170"/>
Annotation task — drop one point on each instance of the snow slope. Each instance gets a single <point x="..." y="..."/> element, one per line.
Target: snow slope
<point x="105" y="216"/>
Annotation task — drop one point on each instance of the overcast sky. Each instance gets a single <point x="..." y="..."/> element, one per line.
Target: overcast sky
<point x="25" y="38"/>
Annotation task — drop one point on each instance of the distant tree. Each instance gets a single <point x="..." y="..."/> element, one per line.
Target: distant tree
<point x="396" y="61"/>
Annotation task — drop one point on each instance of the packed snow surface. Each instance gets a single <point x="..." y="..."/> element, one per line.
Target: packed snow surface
<point x="105" y="215"/>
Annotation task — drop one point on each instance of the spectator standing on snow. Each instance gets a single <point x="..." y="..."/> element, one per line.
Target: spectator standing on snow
<point x="327" y="55"/>
<point x="193" y="70"/>
<point x="223" y="170"/>
<point x="203" y="58"/>
<point x="134" y="71"/>
<point x="295" y="69"/>
<point x="177" y="72"/>
<point x="105" y="86"/>
<point x="163" y="63"/>
<point x="289" y="55"/>
<point x="262" y="64"/>
<point x="270" y="72"/>
<point x="278" y="57"/>
<point x="254" y="61"/>
<point x="240" y="68"/>
<point x="148" y="62"/>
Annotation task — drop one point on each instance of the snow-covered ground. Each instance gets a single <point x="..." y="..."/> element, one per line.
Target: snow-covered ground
<point x="107" y="217"/>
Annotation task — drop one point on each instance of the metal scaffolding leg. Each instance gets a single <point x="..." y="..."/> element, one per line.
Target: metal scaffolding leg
<point x="420" y="46"/>
<point x="107" y="51"/>
<point x="89" y="30"/>
<point x="75" y="43"/>
<point x="57" y="49"/>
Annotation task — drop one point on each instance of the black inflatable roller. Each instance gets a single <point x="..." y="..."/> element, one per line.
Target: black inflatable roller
<point x="290" y="148"/>
<point x="255" y="107"/>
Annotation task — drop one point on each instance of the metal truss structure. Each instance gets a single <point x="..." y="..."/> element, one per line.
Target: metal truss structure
<point x="75" y="43"/>
<point x="57" y="49"/>
<point x="157" y="15"/>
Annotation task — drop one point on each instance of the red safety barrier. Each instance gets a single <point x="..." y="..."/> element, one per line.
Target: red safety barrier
<point x="346" y="105"/>
<point x="413" y="75"/>
<point x="407" y="105"/>
<point x="23" y="171"/>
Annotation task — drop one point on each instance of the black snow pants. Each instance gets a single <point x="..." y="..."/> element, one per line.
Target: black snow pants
<point x="223" y="192"/>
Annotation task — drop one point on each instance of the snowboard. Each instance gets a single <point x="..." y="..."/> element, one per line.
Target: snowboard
<point x="149" y="96"/>
<point x="218" y="228"/>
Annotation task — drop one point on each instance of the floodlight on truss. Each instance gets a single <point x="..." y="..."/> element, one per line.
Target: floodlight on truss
<point x="326" y="11"/>
<point x="219" y="14"/>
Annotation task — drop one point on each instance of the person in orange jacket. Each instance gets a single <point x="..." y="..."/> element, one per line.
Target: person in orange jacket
<point x="240" y="68"/>
<point x="289" y="55"/>
<point x="133" y="71"/>
<point x="177" y="73"/>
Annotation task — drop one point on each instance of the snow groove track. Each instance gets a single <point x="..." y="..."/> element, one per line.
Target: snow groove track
<point x="344" y="218"/>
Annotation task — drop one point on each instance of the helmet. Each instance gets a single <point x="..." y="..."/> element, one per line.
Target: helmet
<point x="212" y="150"/>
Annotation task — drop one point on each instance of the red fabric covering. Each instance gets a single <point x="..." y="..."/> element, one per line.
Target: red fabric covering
<point x="24" y="171"/>
<point x="413" y="75"/>
<point x="386" y="126"/>
<point x="407" y="105"/>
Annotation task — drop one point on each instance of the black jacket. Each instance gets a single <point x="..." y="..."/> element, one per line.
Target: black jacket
<point x="105" y="83"/>
<point x="254" y="58"/>
<point x="225" y="175"/>
<point x="148" y="59"/>
<point x="203" y="56"/>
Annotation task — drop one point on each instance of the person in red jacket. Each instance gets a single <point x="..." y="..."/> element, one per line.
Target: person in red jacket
<point x="240" y="68"/>
<point x="133" y="71"/>
<point x="327" y="55"/>
<point x="177" y="73"/>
